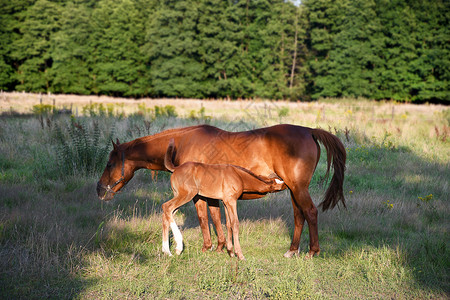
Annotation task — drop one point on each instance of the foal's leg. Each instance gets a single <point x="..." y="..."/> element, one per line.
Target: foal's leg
<point x="181" y="198"/>
<point x="165" y="228"/>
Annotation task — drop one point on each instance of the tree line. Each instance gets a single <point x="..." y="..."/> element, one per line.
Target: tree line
<point x="378" y="49"/>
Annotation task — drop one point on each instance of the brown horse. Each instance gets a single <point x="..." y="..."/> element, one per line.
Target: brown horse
<point x="292" y="152"/>
<point x="225" y="182"/>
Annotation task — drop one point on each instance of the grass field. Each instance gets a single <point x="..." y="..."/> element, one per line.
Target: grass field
<point x="57" y="240"/>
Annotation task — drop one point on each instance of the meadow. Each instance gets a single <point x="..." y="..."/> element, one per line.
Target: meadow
<point x="57" y="240"/>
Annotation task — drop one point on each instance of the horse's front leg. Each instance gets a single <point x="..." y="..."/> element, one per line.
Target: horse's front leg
<point x="234" y="225"/>
<point x="229" y="231"/>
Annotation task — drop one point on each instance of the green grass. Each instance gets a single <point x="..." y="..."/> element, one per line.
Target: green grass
<point x="57" y="240"/>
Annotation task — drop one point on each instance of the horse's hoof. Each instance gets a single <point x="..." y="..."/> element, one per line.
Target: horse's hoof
<point x="178" y="251"/>
<point x="311" y="254"/>
<point x="219" y="247"/>
<point x="205" y="248"/>
<point x="166" y="248"/>
<point x="290" y="253"/>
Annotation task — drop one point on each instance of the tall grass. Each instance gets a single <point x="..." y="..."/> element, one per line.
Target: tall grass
<point x="57" y="240"/>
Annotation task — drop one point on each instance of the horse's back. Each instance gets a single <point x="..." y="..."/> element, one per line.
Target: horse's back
<point x="258" y="150"/>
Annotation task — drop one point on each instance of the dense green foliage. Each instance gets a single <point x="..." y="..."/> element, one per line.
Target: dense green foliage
<point x="272" y="49"/>
<point x="380" y="49"/>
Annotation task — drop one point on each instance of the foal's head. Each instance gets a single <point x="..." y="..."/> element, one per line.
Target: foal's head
<point x="277" y="184"/>
<point x="116" y="174"/>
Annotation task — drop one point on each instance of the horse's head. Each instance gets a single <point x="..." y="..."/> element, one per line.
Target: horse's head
<point x="116" y="174"/>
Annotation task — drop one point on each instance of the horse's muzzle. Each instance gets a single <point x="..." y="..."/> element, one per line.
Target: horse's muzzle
<point x="104" y="193"/>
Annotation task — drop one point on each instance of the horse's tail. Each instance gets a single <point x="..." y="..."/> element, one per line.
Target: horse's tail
<point x="336" y="157"/>
<point x="168" y="161"/>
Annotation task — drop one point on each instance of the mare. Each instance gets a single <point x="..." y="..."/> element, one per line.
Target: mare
<point x="292" y="152"/>
<point x="225" y="182"/>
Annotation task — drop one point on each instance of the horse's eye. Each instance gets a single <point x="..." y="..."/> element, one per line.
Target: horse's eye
<point x="109" y="165"/>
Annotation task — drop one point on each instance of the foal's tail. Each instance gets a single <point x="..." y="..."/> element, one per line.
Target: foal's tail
<point x="168" y="161"/>
<point x="336" y="157"/>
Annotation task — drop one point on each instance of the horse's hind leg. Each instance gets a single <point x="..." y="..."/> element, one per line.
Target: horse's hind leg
<point x="299" y="221"/>
<point x="304" y="208"/>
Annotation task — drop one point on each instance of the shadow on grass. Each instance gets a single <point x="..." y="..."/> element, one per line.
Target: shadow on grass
<point x="57" y="285"/>
<point x="43" y="241"/>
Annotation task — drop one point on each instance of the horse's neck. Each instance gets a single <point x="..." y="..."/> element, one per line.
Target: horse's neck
<point x="254" y="184"/>
<point x="149" y="151"/>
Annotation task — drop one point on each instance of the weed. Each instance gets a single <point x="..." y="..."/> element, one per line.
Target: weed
<point x="386" y="143"/>
<point x="283" y="112"/>
<point x="80" y="149"/>
<point x="43" y="111"/>
<point x="143" y="110"/>
<point x="426" y="199"/>
<point x="388" y="204"/>
<point x="431" y="213"/>
<point x="168" y="111"/>
<point x="443" y="134"/>
<point x="199" y="116"/>
<point x="157" y="112"/>
<point x="93" y="110"/>
<point x="98" y="233"/>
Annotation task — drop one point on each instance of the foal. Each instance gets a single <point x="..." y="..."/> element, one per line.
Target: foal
<point x="226" y="182"/>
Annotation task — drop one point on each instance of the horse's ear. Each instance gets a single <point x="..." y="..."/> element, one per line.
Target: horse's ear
<point x="117" y="141"/>
<point x="114" y="145"/>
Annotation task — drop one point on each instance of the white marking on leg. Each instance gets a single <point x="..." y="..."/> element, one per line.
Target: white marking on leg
<point x="178" y="237"/>
<point x="165" y="248"/>
<point x="278" y="181"/>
